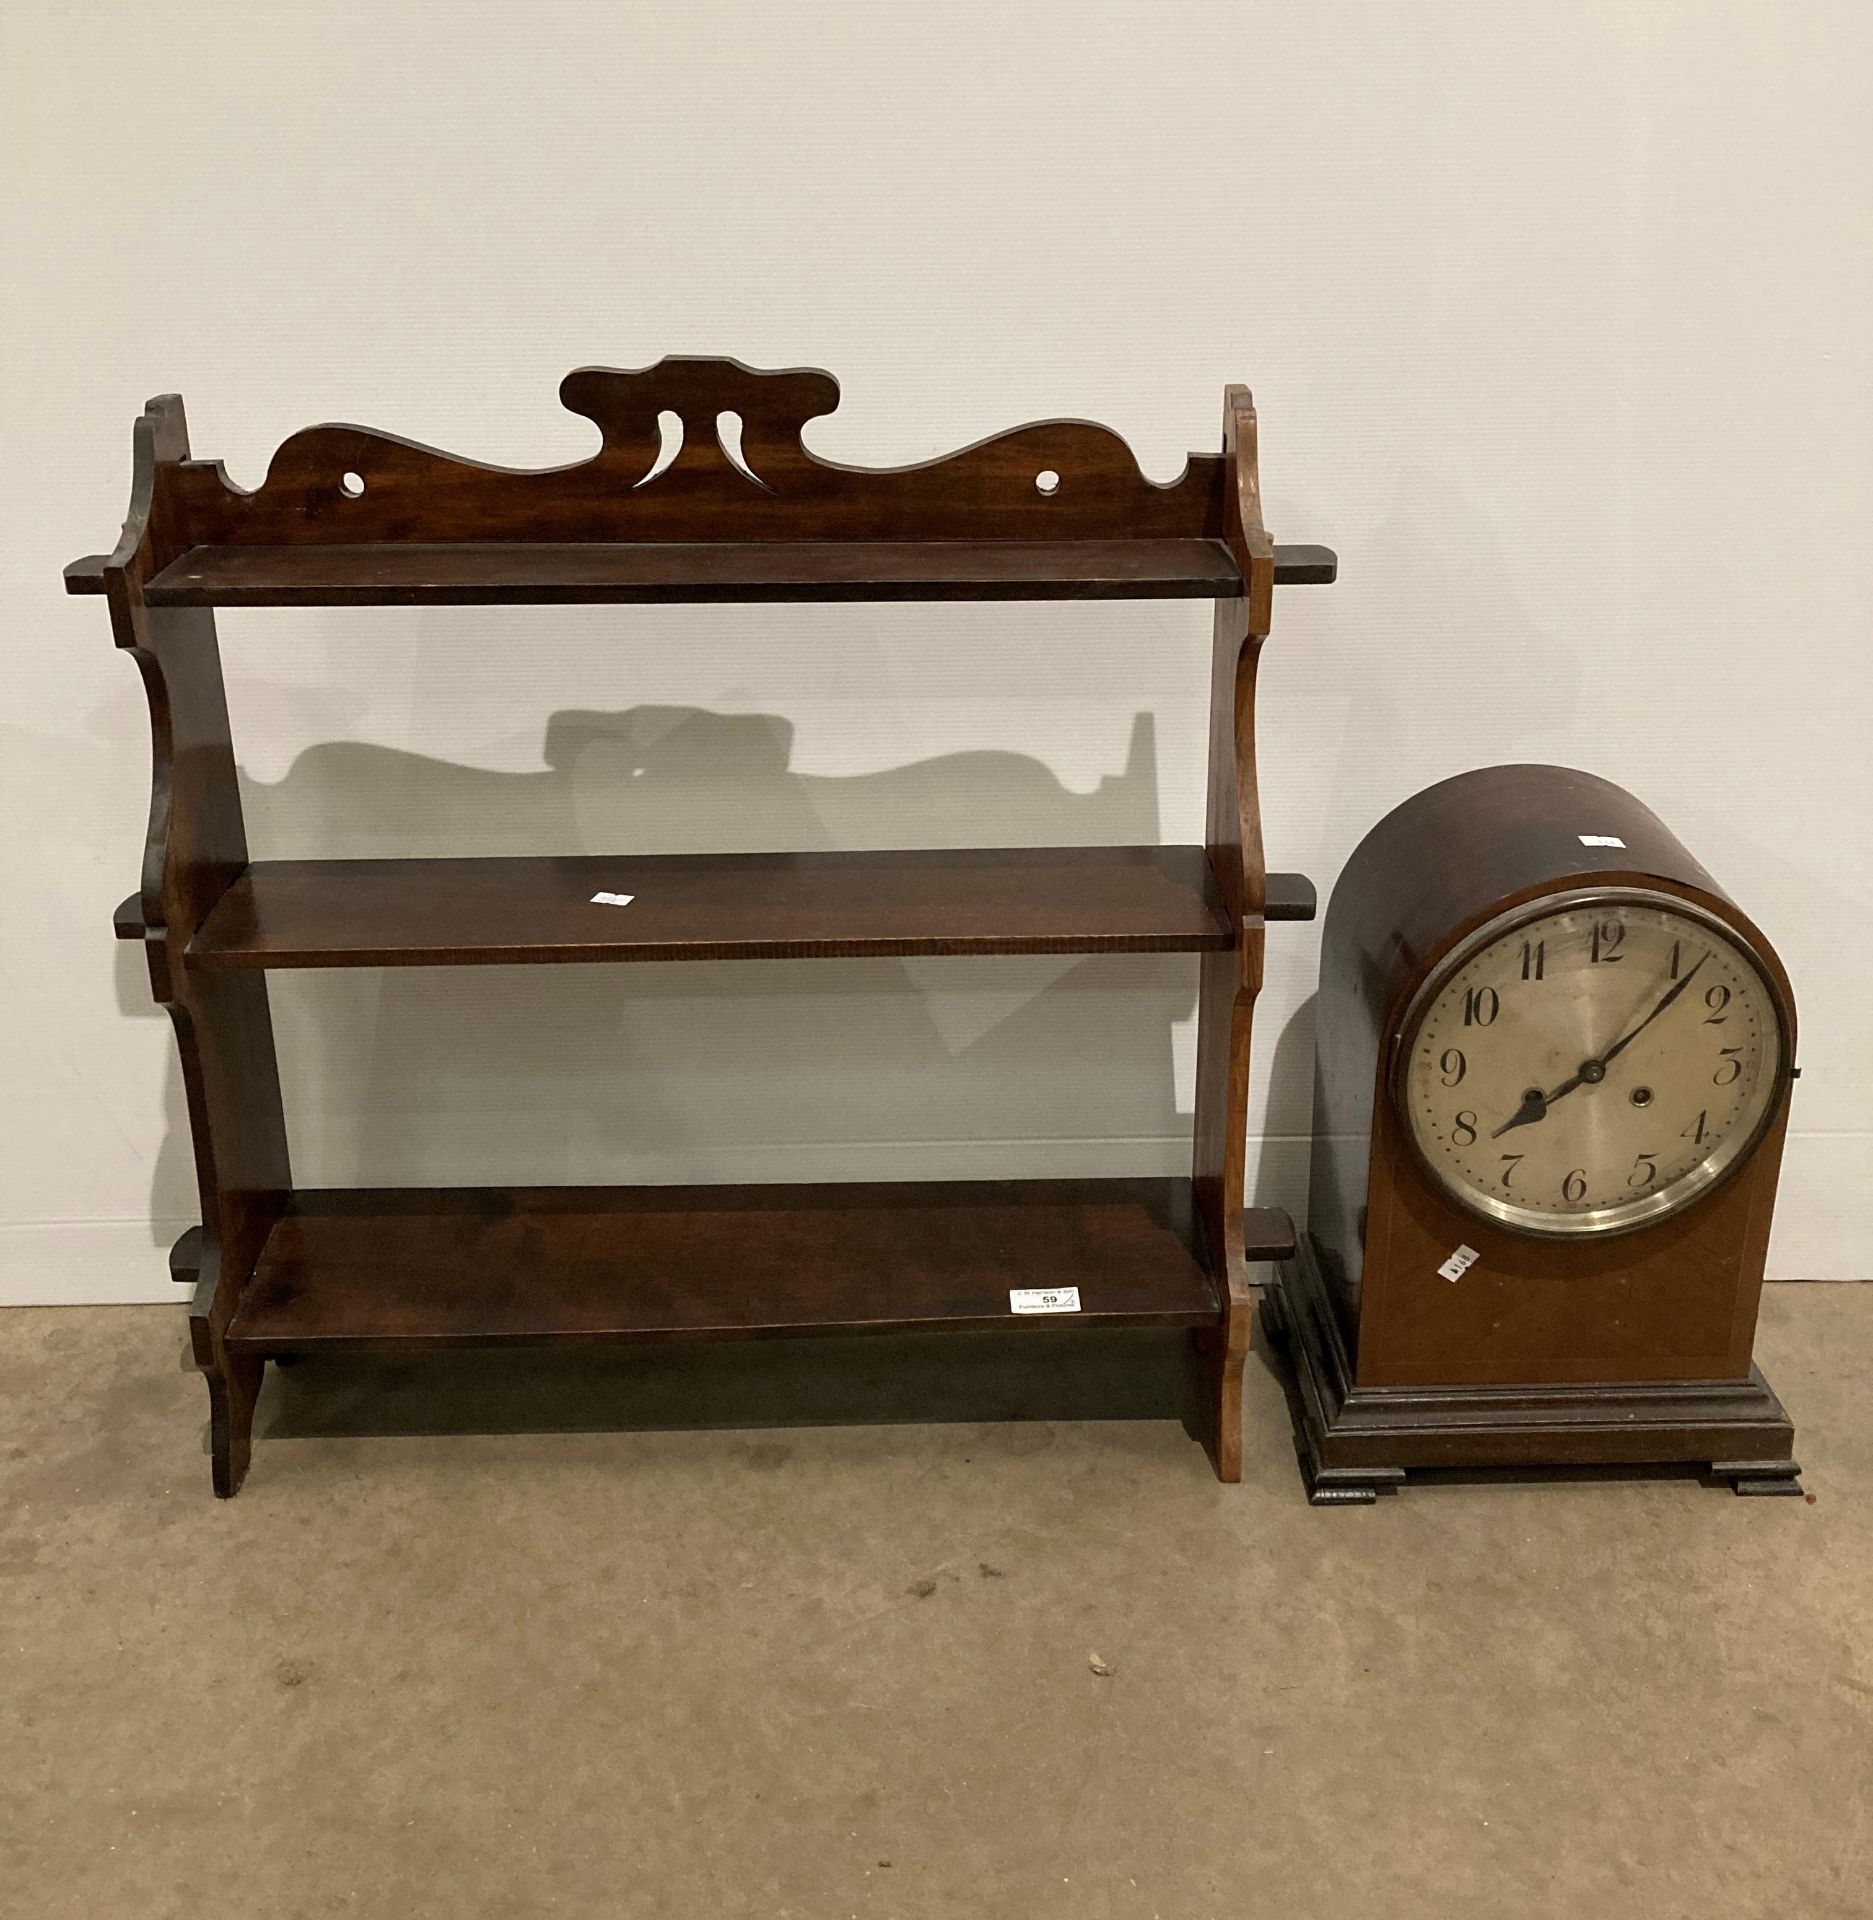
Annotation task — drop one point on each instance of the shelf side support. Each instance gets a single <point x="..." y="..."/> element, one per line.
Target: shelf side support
<point x="1230" y="980"/>
<point x="196" y="847"/>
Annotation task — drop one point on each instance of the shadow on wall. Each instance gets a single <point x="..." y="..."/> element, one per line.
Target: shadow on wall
<point x="802" y="1070"/>
<point x="1278" y="1168"/>
<point x="173" y="1192"/>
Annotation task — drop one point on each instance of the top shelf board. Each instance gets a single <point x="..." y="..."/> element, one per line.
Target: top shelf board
<point x="483" y="573"/>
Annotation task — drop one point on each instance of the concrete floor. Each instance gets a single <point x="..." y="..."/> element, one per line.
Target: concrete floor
<point x="839" y="1669"/>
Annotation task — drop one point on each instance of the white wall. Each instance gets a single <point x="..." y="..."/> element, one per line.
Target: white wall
<point x="1557" y="317"/>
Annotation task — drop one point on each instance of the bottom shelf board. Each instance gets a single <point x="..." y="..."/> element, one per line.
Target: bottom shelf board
<point x="396" y="1268"/>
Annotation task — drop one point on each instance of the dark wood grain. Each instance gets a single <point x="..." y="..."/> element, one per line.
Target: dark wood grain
<point x="491" y="1267"/>
<point x="731" y="906"/>
<point x="1228" y="981"/>
<point x="1437" y="867"/>
<point x="1357" y="1442"/>
<point x="1305" y="566"/>
<point x="1673" y="1301"/>
<point x="1052" y="480"/>
<point x="521" y="572"/>
<point x="195" y="845"/>
<point x="744" y="511"/>
<point x="1288" y="896"/>
<point x="494" y="573"/>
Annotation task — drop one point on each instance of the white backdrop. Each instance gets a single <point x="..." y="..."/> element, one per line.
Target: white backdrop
<point x="1558" y="321"/>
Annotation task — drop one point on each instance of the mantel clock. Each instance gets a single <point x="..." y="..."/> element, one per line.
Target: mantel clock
<point x="1554" y="1072"/>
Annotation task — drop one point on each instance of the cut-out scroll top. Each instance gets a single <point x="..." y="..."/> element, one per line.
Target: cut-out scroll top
<point x="696" y="450"/>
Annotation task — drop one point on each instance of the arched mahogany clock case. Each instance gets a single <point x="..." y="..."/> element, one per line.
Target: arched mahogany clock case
<point x="1616" y="1348"/>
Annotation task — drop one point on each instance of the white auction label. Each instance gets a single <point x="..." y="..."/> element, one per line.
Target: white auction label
<point x="1043" y="1299"/>
<point x="1460" y="1263"/>
<point x="1599" y="840"/>
<point x="613" y="899"/>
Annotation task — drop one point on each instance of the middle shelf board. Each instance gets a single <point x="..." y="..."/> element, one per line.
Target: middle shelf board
<point x="724" y="906"/>
<point x="395" y="1268"/>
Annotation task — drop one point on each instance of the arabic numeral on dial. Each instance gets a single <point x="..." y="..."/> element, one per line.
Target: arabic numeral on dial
<point x="1510" y="1161"/>
<point x="1534" y="959"/>
<point x="1729" y="1068"/>
<point x="1464" y="1132"/>
<point x="1480" y="1006"/>
<point x="1677" y="951"/>
<point x="1608" y="936"/>
<point x="1574" y="1187"/>
<point x="1716" y="999"/>
<point x="1452" y="1067"/>
<point x="1644" y="1171"/>
<point x="1695" y="1131"/>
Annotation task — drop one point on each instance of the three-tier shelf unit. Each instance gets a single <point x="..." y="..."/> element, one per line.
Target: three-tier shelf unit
<point x="351" y="517"/>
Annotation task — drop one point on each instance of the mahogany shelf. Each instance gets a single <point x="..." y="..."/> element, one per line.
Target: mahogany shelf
<point x="668" y="510"/>
<point x="494" y="573"/>
<point x="396" y="1268"/>
<point x="732" y="906"/>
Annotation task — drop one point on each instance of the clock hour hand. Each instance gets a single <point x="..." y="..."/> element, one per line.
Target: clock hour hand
<point x="1535" y="1104"/>
<point x="1534" y="1107"/>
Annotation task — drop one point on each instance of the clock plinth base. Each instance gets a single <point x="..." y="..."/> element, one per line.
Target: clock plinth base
<point x="1355" y="1442"/>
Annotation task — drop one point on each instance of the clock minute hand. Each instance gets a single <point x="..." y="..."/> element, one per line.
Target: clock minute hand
<point x="1619" y="1046"/>
<point x="1535" y="1106"/>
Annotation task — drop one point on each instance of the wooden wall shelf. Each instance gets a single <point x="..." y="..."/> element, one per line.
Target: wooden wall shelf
<point x="351" y="517"/>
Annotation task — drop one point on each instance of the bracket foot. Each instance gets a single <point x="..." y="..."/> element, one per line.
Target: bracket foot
<point x="1759" y="1476"/>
